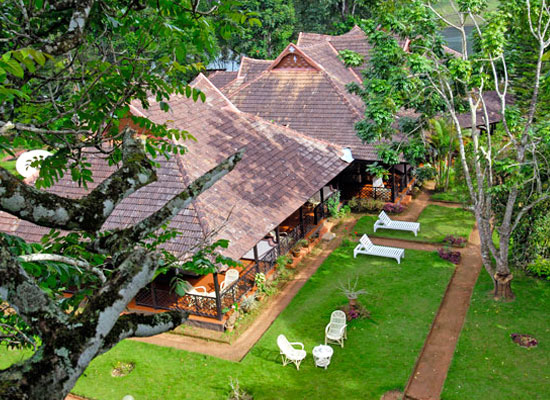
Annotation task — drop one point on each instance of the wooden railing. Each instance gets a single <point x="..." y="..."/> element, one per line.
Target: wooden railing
<point x="207" y="306"/>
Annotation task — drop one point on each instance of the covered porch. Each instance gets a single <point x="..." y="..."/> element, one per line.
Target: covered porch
<point x="262" y="257"/>
<point x="355" y="181"/>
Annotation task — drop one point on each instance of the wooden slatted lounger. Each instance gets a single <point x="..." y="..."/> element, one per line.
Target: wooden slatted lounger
<point x="365" y="246"/>
<point x="385" y="222"/>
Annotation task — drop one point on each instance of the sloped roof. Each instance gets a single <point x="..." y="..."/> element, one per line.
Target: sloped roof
<point x="493" y="106"/>
<point x="249" y="69"/>
<point x="222" y="78"/>
<point x="310" y="100"/>
<point x="281" y="169"/>
<point x="354" y="40"/>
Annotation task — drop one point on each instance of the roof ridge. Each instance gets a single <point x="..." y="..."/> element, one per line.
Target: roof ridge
<point x="230" y="105"/>
<point x="348" y="68"/>
<point x="346" y="101"/>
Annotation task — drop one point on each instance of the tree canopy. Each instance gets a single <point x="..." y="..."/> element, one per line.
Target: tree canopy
<point x="411" y="69"/>
<point x="68" y="72"/>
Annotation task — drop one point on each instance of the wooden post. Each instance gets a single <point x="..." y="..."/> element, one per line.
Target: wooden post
<point x="302" y="221"/>
<point x="218" y="299"/>
<point x="256" y="258"/>
<point x="393" y="184"/>
<point x="406" y="174"/>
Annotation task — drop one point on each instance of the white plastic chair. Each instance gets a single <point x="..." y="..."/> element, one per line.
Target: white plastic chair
<point x="336" y="330"/>
<point x="231" y="275"/>
<point x="386" y="222"/>
<point x="366" y="247"/>
<point x="289" y="353"/>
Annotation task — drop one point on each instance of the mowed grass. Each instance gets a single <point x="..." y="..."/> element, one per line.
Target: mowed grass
<point x="436" y="222"/>
<point x="378" y="356"/>
<point x="487" y="364"/>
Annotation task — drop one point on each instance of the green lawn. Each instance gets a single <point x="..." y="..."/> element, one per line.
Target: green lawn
<point x="456" y="194"/>
<point x="379" y="354"/>
<point x="487" y="365"/>
<point x="436" y="222"/>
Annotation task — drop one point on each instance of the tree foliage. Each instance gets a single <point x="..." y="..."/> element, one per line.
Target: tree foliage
<point x="68" y="71"/>
<point x="411" y="69"/>
<point x="268" y="38"/>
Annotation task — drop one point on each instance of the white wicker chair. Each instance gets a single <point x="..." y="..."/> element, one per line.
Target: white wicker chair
<point x="289" y="353"/>
<point x="336" y="330"/>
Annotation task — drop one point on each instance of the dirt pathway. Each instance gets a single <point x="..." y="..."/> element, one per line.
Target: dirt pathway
<point x="430" y="371"/>
<point x="237" y="350"/>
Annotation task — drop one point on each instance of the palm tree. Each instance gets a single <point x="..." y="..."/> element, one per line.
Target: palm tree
<point x="443" y="144"/>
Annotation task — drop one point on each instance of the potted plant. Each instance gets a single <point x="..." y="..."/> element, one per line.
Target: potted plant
<point x="351" y="292"/>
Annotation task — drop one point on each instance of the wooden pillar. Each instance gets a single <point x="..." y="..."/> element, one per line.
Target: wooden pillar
<point x="406" y="172"/>
<point x="392" y="184"/>
<point x="302" y="220"/>
<point x="218" y="298"/>
<point x="322" y="195"/>
<point x="256" y="258"/>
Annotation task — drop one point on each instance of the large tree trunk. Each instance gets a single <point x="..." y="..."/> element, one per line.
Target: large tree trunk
<point x="45" y="376"/>
<point x="503" y="287"/>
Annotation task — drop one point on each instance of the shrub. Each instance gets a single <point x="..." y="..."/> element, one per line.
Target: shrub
<point x="424" y="173"/>
<point x="455" y="241"/>
<point x="449" y="255"/>
<point x="357" y="311"/>
<point x="392" y="208"/>
<point x="283" y="260"/>
<point x="540" y="267"/>
<point x="360" y="205"/>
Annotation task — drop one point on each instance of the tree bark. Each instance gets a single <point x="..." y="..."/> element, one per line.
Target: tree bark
<point x="503" y="287"/>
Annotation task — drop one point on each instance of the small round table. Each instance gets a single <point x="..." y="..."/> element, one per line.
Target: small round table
<point x="322" y="355"/>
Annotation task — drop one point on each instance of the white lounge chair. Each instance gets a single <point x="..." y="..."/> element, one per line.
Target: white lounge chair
<point x="335" y="331"/>
<point x="231" y="275"/>
<point x="289" y="353"/>
<point x="386" y="223"/>
<point x="365" y="246"/>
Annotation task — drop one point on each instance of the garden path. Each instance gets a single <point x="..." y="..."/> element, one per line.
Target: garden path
<point x="429" y="374"/>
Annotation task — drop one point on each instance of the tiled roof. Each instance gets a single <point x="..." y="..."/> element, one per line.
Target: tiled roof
<point x="281" y="169"/>
<point x="313" y="101"/>
<point x="493" y="106"/>
<point x="222" y="78"/>
<point x="354" y="40"/>
<point x="249" y="69"/>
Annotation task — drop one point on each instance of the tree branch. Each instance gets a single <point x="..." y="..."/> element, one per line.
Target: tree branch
<point x="123" y="239"/>
<point x="139" y="325"/>
<point x="85" y="214"/>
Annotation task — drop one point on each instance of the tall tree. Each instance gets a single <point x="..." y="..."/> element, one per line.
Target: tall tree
<point x="330" y="16"/>
<point x="268" y="39"/>
<point x="68" y="71"/>
<point x="428" y="78"/>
